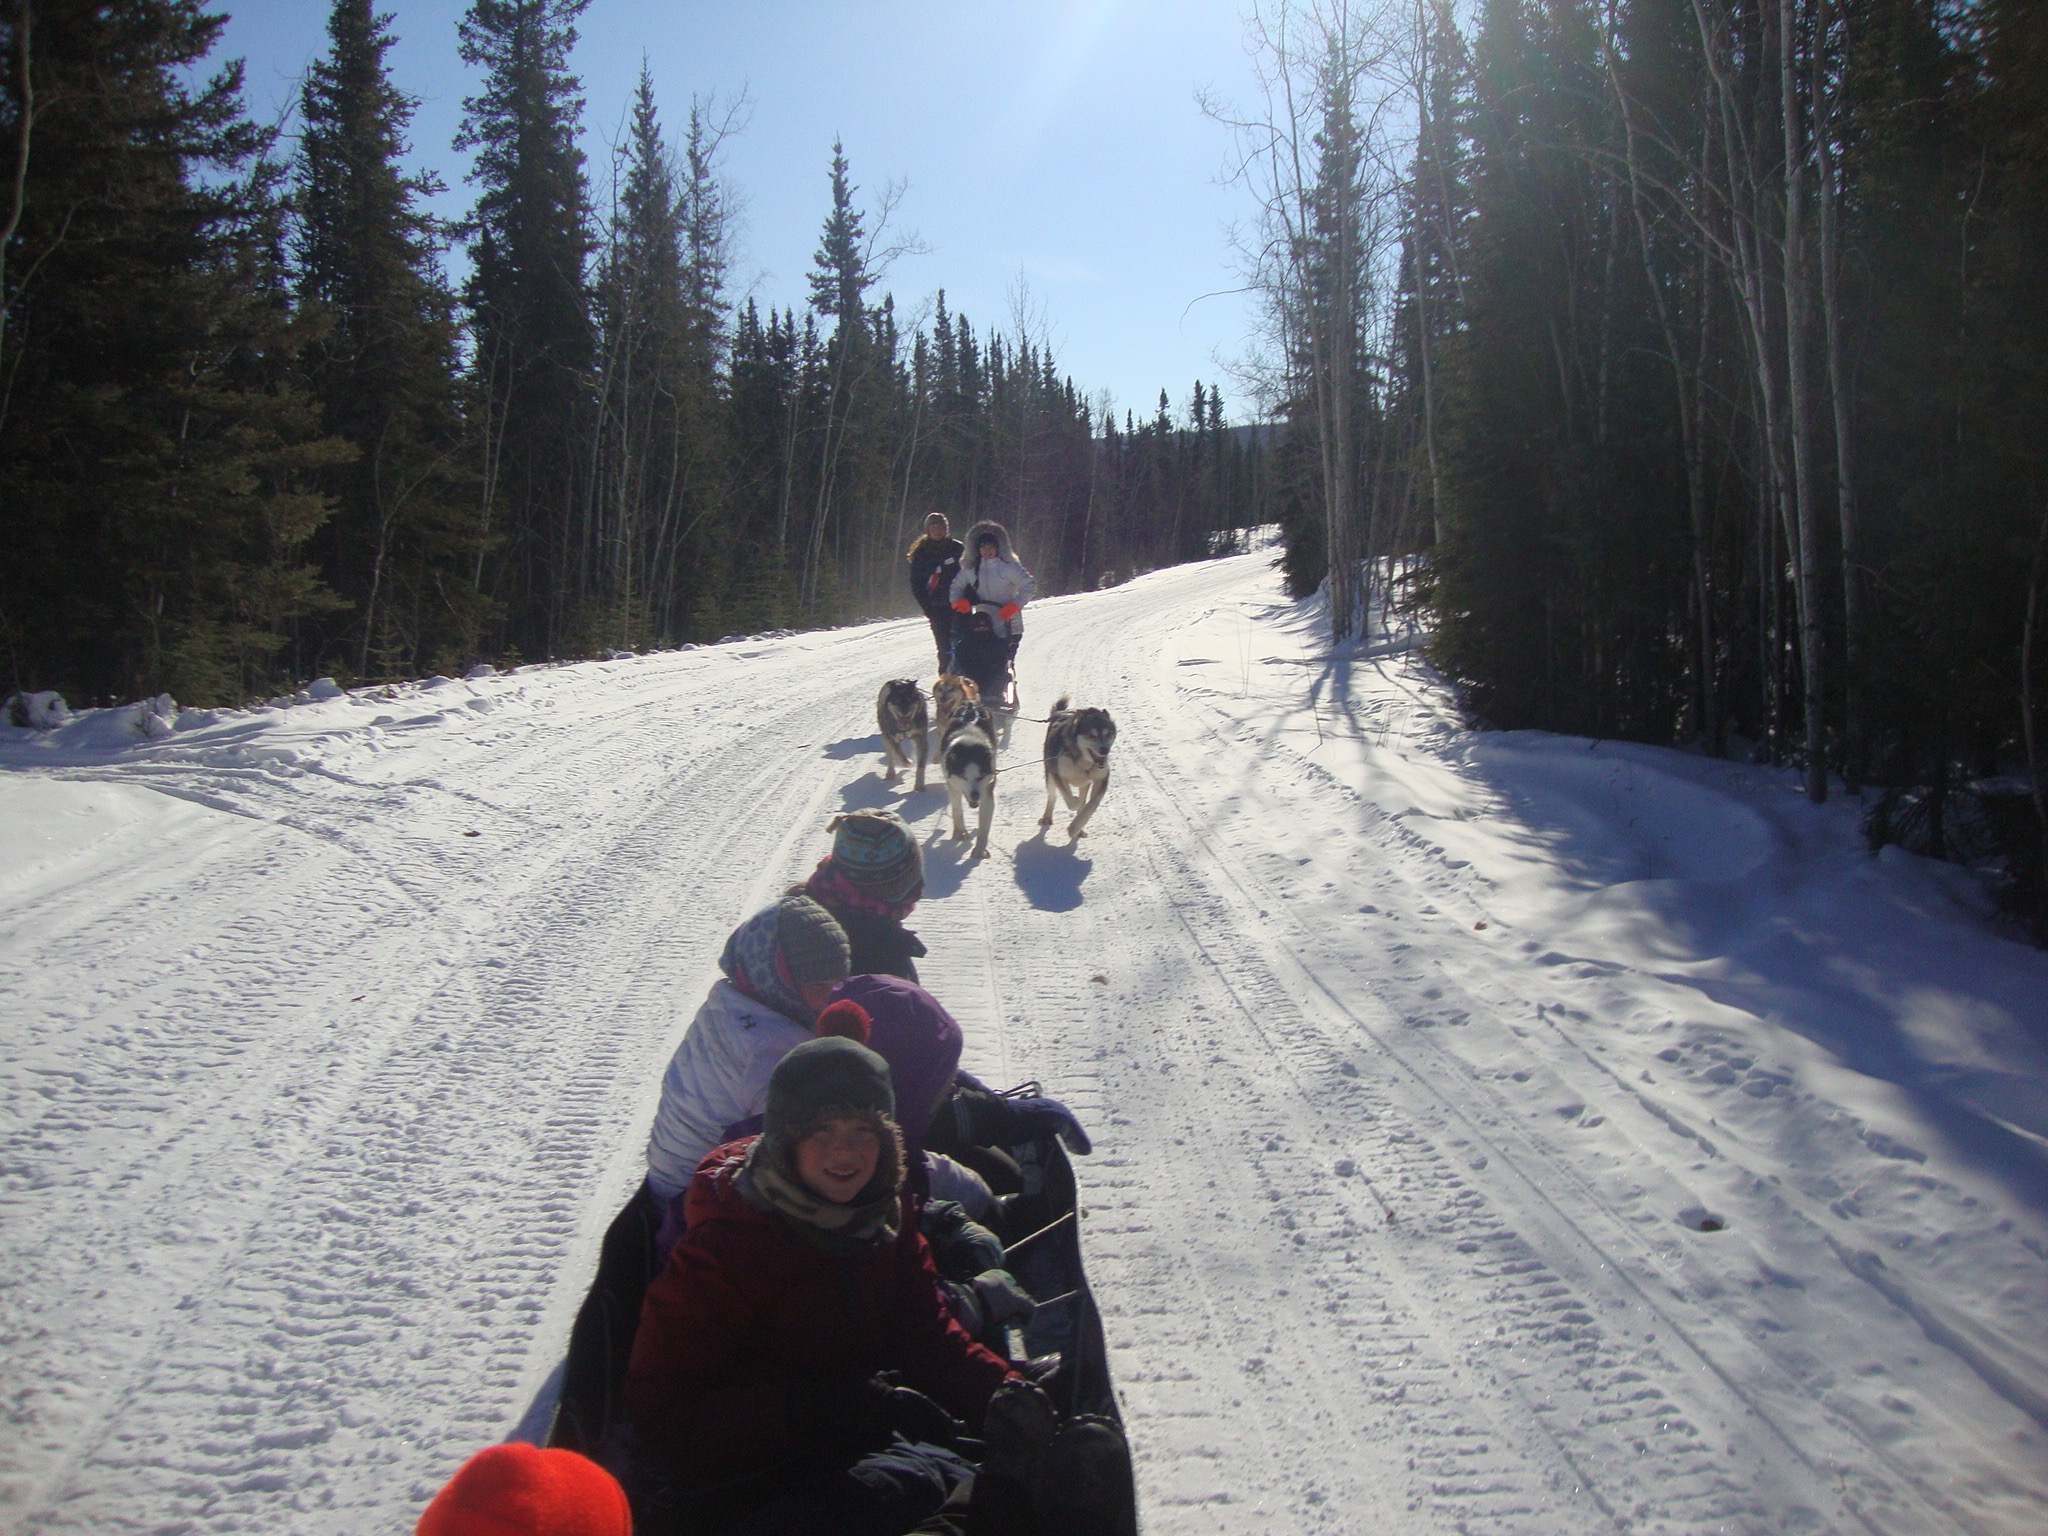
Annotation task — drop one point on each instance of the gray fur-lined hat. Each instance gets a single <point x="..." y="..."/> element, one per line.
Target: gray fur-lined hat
<point x="830" y="1073"/>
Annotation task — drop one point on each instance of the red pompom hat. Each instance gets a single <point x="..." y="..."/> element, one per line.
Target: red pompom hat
<point x="846" y="1019"/>
<point x="522" y="1490"/>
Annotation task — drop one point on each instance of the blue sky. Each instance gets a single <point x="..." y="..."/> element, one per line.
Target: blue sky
<point x="1056" y="138"/>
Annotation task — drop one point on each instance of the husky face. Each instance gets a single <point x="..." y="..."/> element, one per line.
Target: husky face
<point x="1077" y="745"/>
<point x="902" y="698"/>
<point x="901" y="715"/>
<point x="1094" y="732"/>
<point x="969" y="759"/>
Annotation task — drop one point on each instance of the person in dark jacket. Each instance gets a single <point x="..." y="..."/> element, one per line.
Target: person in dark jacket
<point x="870" y="881"/>
<point x="934" y="562"/>
<point x="756" y="1378"/>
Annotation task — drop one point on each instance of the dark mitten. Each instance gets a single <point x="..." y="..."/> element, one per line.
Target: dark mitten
<point x="1049" y="1117"/>
<point x="1019" y="1425"/>
<point x="1000" y="1299"/>
<point x="961" y="1248"/>
<point x="838" y="1413"/>
<point x="988" y="1301"/>
<point x="917" y="1418"/>
<point x="1041" y="1369"/>
<point x="1082" y="1484"/>
<point x="984" y="1119"/>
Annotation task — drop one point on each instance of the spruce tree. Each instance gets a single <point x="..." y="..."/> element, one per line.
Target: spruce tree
<point x="532" y="341"/>
<point x="157" y="456"/>
<point x="839" y="282"/>
<point x="402" y="545"/>
<point x="639" y="316"/>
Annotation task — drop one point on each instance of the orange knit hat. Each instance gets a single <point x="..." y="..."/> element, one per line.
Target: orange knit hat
<point x="522" y="1490"/>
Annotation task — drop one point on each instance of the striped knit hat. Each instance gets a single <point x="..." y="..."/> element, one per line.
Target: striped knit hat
<point x="875" y="853"/>
<point x="775" y="953"/>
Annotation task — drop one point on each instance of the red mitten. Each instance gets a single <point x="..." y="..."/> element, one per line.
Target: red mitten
<point x="1008" y="612"/>
<point x="961" y="605"/>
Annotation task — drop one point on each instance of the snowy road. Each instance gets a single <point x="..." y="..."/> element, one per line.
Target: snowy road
<point x="1493" y="1135"/>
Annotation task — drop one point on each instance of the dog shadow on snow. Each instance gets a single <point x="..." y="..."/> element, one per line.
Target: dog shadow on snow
<point x="873" y="792"/>
<point x="849" y="747"/>
<point x="946" y="862"/>
<point x="1050" y="877"/>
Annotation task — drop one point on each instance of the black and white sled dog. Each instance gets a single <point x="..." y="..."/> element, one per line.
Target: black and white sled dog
<point x="1077" y="743"/>
<point x="967" y="751"/>
<point x="901" y="713"/>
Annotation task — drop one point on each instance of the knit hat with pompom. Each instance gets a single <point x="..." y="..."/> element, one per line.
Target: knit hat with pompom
<point x="522" y="1490"/>
<point x="847" y="1020"/>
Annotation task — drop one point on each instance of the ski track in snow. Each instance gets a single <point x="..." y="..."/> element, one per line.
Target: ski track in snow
<point x="323" y="1104"/>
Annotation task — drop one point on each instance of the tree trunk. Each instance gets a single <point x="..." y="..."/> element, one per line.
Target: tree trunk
<point x="1423" y="146"/>
<point x="1839" y="395"/>
<point x="1812" y="637"/>
<point x="2027" y="704"/>
<point x="24" y="130"/>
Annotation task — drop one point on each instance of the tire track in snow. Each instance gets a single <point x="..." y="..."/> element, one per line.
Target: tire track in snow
<point x="1587" y="1406"/>
<point x="392" y="1269"/>
<point x="1810" y="1457"/>
<point x="1769" y="1481"/>
<point x="1225" y="1336"/>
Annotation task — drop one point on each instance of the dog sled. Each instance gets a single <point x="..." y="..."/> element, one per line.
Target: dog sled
<point x="1039" y="1227"/>
<point x="989" y="657"/>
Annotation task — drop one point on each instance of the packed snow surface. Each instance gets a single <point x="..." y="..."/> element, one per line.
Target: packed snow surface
<point x="1494" y="1133"/>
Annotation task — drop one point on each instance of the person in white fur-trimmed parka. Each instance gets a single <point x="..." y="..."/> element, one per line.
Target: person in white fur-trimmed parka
<point x="991" y="576"/>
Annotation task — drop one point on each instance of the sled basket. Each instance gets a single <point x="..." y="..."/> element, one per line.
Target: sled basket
<point x="592" y="1379"/>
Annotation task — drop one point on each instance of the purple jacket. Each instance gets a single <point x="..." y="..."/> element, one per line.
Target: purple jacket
<point x="911" y="1031"/>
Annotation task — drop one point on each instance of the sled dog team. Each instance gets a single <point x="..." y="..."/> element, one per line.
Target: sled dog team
<point x="813" y="1357"/>
<point x="976" y="631"/>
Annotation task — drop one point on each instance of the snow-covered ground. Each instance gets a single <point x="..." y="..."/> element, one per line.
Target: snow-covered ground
<point x="1502" y="1134"/>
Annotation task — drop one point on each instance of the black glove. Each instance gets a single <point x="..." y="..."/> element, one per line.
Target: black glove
<point x="1001" y="1299"/>
<point x="1049" y="1117"/>
<point x="917" y="1418"/>
<point x="1019" y="1425"/>
<point x="961" y="1248"/>
<point x="839" y="1413"/>
<point x="991" y="1299"/>
<point x="1040" y="1369"/>
<point x="994" y="1121"/>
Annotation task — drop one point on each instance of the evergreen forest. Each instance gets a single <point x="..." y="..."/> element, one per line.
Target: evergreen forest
<point x="252" y="431"/>
<point x="1681" y="366"/>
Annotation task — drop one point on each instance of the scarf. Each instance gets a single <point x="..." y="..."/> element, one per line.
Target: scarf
<point x="832" y="890"/>
<point x="766" y="1183"/>
<point x="752" y="962"/>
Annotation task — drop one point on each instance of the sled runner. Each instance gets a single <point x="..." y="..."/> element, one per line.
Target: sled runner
<point x="1039" y="1227"/>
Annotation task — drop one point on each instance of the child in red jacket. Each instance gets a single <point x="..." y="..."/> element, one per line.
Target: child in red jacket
<point x="756" y="1381"/>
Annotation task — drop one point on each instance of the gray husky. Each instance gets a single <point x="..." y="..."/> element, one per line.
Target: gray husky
<point x="1077" y="743"/>
<point x="901" y="713"/>
<point x="968" y="753"/>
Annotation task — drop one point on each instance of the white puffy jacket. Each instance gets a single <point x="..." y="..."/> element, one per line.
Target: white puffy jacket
<point x="717" y="1077"/>
<point x="997" y="581"/>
